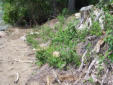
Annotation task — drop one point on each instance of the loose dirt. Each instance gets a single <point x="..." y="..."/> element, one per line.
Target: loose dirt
<point x="17" y="59"/>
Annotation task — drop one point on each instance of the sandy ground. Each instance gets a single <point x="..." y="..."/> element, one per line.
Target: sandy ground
<point x="16" y="58"/>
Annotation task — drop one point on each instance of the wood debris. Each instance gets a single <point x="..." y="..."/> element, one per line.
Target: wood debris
<point x="98" y="46"/>
<point x="17" y="78"/>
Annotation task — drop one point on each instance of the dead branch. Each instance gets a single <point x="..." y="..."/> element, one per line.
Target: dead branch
<point x="23" y="61"/>
<point x="17" y="61"/>
<point x="83" y="58"/>
<point x="105" y="76"/>
<point x="56" y="77"/>
<point x="89" y="69"/>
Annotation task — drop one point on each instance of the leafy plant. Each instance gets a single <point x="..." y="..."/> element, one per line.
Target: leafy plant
<point x="96" y="29"/>
<point x="63" y="41"/>
<point x="109" y="40"/>
<point x="109" y="34"/>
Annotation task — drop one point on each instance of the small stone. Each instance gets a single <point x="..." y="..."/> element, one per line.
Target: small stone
<point x="23" y="38"/>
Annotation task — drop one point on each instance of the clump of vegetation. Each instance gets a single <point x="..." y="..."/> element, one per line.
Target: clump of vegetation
<point x="35" y="12"/>
<point x="31" y="12"/>
<point x="63" y="42"/>
<point x="110" y="43"/>
<point x="109" y="34"/>
<point x="62" y="51"/>
<point x="109" y="38"/>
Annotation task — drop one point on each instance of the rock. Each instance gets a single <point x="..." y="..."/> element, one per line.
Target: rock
<point x="2" y="34"/>
<point x="77" y="15"/>
<point x="56" y="54"/>
<point x="23" y="38"/>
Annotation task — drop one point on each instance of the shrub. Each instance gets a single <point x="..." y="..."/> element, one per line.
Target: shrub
<point x="30" y="12"/>
<point x="63" y="40"/>
<point x="110" y="43"/>
<point x="109" y="33"/>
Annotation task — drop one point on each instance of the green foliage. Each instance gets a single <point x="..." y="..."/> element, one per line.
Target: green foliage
<point x="91" y="80"/>
<point x="109" y="30"/>
<point x="109" y="40"/>
<point x="63" y="40"/>
<point x="22" y="12"/>
<point x="96" y="29"/>
<point x="61" y="18"/>
<point x="108" y="21"/>
<point x="31" y="11"/>
<point x="31" y="40"/>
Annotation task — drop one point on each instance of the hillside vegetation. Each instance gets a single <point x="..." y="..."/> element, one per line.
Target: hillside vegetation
<point x="72" y="39"/>
<point x="64" y="46"/>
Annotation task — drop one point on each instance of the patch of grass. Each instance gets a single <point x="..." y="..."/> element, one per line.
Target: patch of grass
<point x="31" y="40"/>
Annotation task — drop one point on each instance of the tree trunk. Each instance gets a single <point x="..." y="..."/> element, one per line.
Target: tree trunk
<point x="71" y="5"/>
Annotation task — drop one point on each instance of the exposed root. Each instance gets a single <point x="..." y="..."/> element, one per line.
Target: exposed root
<point x="48" y="81"/>
<point x="89" y="69"/>
<point x="83" y="58"/>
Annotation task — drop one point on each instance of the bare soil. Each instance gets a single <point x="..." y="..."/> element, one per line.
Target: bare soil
<point x="17" y="59"/>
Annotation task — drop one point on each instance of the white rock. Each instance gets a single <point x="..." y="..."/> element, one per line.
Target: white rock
<point x="23" y="38"/>
<point x="77" y="15"/>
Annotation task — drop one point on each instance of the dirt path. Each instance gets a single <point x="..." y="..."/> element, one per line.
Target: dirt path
<point x="16" y="58"/>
